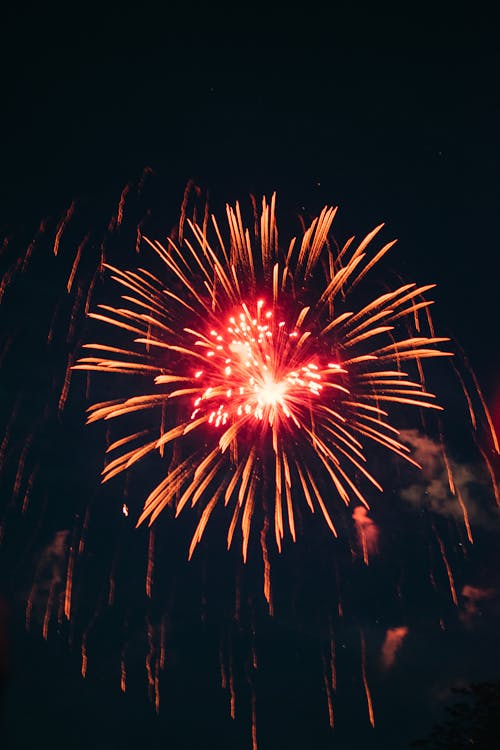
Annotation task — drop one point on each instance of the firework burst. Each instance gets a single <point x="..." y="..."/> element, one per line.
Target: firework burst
<point x="268" y="383"/>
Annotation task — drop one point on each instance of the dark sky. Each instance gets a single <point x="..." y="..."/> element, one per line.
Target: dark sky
<point x="393" y="115"/>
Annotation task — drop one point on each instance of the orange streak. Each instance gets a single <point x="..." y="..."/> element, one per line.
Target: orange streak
<point x="84" y="656"/>
<point x="157" y="685"/>
<point x="328" y="691"/>
<point x="163" y="636"/>
<point x="486" y="411"/>
<point x="62" y="225"/>
<point x="123" y="675"/>
<point x="448" y="569"/>
<point x="223" y="675"/>
<point x="254" y="721"/>
<point x="29" y="487"/>
<point x="48" y="610"/>
<point x="67" y="379"/>
<point x="232" y="699"/>
<point x="466" y="516"/>
<point x="491" y="472"/>
<point x="76" y="262"/>
<point x="150" y="568"/>
<point x="267" y="565"/>
<point x="121" y="205"/>
<point x="29" y="608"/>
<point x="149" y="659"/>
<point x="69" y="583"/>
<point x="371" y="714"/>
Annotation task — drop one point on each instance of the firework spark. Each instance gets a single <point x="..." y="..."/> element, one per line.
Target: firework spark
<point x="269" y="384"/>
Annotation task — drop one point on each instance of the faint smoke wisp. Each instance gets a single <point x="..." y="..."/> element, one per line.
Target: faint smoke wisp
<point x="393" y="641"/>
<point x="367" y="532"/>
<point x="471" y="596"/>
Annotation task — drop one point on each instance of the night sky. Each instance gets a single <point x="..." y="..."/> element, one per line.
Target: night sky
<point x="392" y="115"/>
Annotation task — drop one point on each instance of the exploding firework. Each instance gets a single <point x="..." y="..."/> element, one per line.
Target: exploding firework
<point x="255" y="374"/>
<point x="269" y="384"/>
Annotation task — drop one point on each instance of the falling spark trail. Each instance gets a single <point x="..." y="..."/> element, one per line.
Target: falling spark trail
<point x="491" y="473"/>
<point x="328" y="690"/>
<point x="67" y="380"/>
<point x="48" y="610"/>
<point x="254" y="720"/>
<point x="112" y="585"/>
<point x="29" y="251"/>
<point x="150" y="657"/>
<point x="163" y="638"/>
<point x="150" y="568"/>
<point x="456" y="491"/>
<point x="449" y="572"/>
<point x="29" y="488"/>
<point x="223" y="675"/>
<point x="9" y="276"/>
<point x="267" y="566"/>
<point x="21" y="464"/>
<point x="121" y="205"/>
<point x="74" y="314"/>
<point x="486" y="411"/>
<point x="123" y="673"/>
<point x="333" y="668"/>
<point x="76" y="262"/>
<point x="84" y="656"/>
<point x="62" y="226"/>
<point x="232" y="692"/>
<point x="157" y="685"/>
<point x="83" y="533"/>
<point x="29" y="607"/>
<point x="466" y="516"/>
<point x="369" y="703"/>
<point x="449" y="473"/>
<point x="69" y="582"/>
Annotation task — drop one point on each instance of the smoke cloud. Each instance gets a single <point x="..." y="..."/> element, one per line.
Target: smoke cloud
<point x="445" y="486"/>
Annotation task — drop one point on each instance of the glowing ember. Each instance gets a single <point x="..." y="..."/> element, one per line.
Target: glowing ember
<point x="249" y="373"/>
